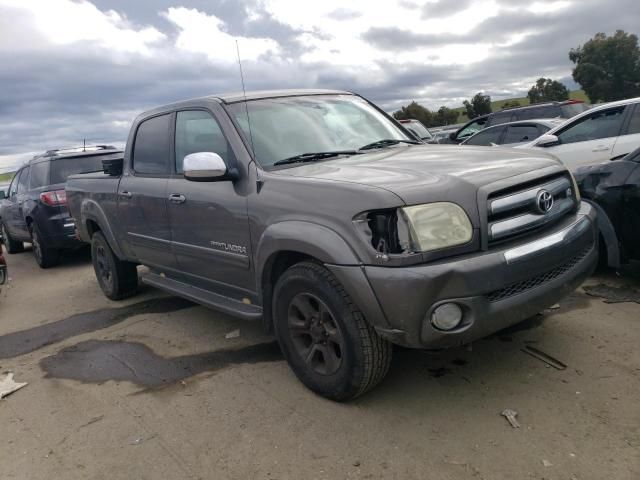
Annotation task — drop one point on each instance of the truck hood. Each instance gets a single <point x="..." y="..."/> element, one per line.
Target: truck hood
<point x="412" y="171"/>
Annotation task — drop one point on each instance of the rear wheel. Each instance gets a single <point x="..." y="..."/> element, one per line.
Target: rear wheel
<point x="117" y="279"/>
<point x="12" y="246"/>
<point x="45" y="256"/>
<point x="326" y="340"/>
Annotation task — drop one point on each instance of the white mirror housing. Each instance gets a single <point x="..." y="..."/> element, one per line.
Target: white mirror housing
<point x="547" y="140"/>
<point x="203" y="166"/>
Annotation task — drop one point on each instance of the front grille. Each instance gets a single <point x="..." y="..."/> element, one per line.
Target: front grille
<point x="515" y="211"/>
<point x="533" y="282"/>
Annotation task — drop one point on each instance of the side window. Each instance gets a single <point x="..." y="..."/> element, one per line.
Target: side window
<point x="39" y="174"/>
<point x="23" y="181"/>
<point x="486" y="137"/>
<point x="501" y="117"/>
<point x="13" y="188"/>
<point x="634" y="121"/>
<point x="472" y="128"/>
<point x="152" y="146"/>
<point x="520" y="133"/>
<point x="602" y="124"/>
<point x="549" y="111"/>
<point x="198" y="131"/>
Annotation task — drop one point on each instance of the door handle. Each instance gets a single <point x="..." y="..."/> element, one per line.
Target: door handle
<point x="600" y="148"/>
<point x="126" y="194"/>
<point x="177" y="198"/>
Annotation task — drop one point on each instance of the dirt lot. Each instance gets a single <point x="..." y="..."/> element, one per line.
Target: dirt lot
<point x="151" y="388"/>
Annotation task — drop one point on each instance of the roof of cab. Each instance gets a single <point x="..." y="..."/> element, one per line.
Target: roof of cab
<point x="262" y="94"/>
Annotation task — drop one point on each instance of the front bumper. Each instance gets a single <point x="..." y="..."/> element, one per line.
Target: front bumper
<point x="495" y="288"/>
<point x="59" y="232"/>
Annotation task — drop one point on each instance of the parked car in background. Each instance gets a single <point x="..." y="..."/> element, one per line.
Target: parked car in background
<point x="342" y="244"/>
<point x="417" y="128"/>
<point x="440" y="136"/>
<point x="613" y="188"/>
<point x="594" y="136"/>
<point x="566" y="109"/>
<point x="4" y="193"/>
<point x="4" y="274"/>
<point x="35" y="209"/>
<point x="512" y="133"/>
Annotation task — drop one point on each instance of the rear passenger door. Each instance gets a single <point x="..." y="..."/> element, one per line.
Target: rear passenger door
<point x="629" y="138"/>
<point x="21" y="229"/>
<point x="142" y="195"/>
<point x="209" y="221"/>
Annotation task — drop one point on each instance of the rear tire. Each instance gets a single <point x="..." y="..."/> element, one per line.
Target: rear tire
<point x="45" y="256"/>
<point x="12" y="246"/>
<point x="117" y="279"/>
<point x="324" y="337"/>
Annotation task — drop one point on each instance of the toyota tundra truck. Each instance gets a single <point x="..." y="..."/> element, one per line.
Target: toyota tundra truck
<point x="320" y="215"/>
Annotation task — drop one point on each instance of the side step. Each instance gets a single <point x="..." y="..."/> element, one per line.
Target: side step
<point x="208" y="299"/>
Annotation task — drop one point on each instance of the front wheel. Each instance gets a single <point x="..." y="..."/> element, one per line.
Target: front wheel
<point x="45" y="256"/>
<point x="324" y="337"/>
<point x="117" y="279"/>
<point x="12" y="246"/>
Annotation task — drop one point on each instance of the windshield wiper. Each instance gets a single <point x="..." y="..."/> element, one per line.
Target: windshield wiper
<point x="312" y="156"/>
<point x="387" y="142"/>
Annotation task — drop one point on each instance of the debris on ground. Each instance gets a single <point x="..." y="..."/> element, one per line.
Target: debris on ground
<point x="232" y="334"/>
<point x="613" y="294"/>
<point x="545" y="357"/>
<point x="8" y="386"/>
<point x="511" y="415"/>
<point x="554" y="307"/>
<point x="547" y="463"/>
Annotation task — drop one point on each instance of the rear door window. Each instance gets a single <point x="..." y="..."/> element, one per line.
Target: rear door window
<point x="151" y="148"/>
<point x="500" y="117"/>
<point x="198" y="131"/>
<point x="601" y="124"/>
<point x="486" y="137"/>
<point x="39" y="174"/>
<point x="634" y="121"/>
<point x="548" y="111"/>
<point x="520" y="133"/>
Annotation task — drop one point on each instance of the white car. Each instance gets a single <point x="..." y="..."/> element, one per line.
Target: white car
<point x="594" y="136"/>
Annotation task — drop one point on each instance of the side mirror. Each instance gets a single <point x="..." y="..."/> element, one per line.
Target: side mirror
<point x="204" y="167"/>
<point x="547" y="141"/>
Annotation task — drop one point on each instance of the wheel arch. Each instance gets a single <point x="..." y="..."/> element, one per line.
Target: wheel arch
<point x="608" y="235"/>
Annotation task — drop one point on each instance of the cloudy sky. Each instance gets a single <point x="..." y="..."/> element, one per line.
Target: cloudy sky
<point x="74" y="69"/>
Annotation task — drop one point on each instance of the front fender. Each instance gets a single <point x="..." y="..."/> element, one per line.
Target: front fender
<point x="91" y="210"/>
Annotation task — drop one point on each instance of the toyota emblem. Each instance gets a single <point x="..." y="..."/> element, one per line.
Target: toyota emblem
<point x="544" y="201"/>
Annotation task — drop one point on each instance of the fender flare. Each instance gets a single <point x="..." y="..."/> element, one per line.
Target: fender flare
<point x="91" y="210"/>
<point x="608" y="232"/>
<point x="303" y="237"/>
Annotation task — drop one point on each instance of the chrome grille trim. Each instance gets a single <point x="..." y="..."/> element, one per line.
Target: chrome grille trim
<point x="515" y="213"/>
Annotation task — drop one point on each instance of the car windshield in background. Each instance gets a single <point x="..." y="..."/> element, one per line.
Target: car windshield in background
<point x="283" y="128"/>
<point x="420" y="129"/>
<point x="63" y="167"/>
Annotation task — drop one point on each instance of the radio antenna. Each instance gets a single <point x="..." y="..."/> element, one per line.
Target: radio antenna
<point x="246" y="107"/>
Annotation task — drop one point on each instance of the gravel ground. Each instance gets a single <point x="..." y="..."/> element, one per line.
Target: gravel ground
<point x="152" y="388"/>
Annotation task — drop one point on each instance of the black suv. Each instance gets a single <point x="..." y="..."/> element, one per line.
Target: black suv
<point x="566" y="109"/>
<point x="35" y="207"/>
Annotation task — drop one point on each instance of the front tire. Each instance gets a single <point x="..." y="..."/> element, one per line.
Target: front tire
<point x="324" y="337"/>
<point x="12" y="246"/>
<point x="45" y="256"/>
<point x="117" y="279"/>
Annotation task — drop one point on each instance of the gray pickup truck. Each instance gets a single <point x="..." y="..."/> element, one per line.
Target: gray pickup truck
<point x="319" y="214"/>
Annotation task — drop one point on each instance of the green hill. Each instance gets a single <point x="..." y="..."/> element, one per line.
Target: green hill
<point x="496" y="105"/>
<point x="6" y="177"/>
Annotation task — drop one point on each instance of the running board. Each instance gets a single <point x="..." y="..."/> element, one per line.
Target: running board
<point x="203" y="297"/>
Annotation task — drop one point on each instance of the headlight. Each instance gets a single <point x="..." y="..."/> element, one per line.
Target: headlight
<point x="433" y="226"/>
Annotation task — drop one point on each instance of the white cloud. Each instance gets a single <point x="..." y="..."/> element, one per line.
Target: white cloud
<point x="202" y="33"/>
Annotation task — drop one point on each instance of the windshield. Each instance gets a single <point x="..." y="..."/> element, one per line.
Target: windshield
<point x="285" y="127"/>
<point x="420" y="129"/>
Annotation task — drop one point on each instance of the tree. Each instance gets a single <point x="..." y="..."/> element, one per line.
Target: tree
<point x="479" y="105"/>
<point x="416" y="111"/>
<point x="510" y="104"/>
<point x="608" y="67"/>
<point x="547" y="90"/>
<point x="445" y="116"/>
